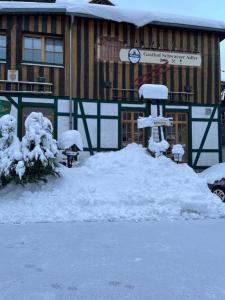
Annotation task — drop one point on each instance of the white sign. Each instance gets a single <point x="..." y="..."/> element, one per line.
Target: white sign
<point x="154" y="122"/>
<point x="160" y="57"/>
<point x="13" y="75"/>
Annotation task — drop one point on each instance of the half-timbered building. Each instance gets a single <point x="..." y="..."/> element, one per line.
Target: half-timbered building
<point x="75" y="63"/>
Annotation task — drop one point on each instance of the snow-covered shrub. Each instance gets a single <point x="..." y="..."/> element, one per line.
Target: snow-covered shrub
<point x="39" y="149"/>
<point x="11" y="164"/>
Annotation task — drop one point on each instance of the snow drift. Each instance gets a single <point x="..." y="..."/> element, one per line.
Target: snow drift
<point x="124" y="185"/>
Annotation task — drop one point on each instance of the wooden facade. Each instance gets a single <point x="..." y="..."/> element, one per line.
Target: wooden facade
<point x="91" y="76"/>
<point x="96" y="78"/>
<point x="15" y="27"/>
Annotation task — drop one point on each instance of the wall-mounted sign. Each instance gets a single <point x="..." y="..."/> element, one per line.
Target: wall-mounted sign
<point x="160" y="57"/>
<point x="13" y="75"/>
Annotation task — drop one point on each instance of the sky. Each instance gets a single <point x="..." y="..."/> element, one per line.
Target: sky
<point x="200" y="8"/>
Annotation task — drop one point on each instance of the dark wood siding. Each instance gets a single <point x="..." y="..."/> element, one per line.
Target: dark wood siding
<point x="15" y="27"/>
<point x="95" y="79"/>
<point x="91" y="77"/>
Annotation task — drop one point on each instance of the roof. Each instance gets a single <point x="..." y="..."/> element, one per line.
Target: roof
<point x="114" y="13"/>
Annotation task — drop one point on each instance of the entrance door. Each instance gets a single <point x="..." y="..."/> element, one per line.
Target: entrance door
<point x="130" y="131"/>
<point x="178" y="134"/>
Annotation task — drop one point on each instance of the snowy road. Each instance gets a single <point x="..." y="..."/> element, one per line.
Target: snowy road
<point x="121" y="260"/>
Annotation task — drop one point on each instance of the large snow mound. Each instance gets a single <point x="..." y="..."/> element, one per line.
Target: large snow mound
<point x="124" y="185"/>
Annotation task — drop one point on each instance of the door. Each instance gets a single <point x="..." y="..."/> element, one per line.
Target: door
<point x="178" y="134"/>
<point x="130" y="131"/>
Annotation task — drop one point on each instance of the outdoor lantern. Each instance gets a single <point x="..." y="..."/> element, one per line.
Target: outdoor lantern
<point x="178" y="153"/>
<point x="71" y="156"/>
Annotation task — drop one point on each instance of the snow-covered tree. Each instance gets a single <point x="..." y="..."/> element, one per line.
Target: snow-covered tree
<point x="11" y="164"/>
<point x="39" y="149"/>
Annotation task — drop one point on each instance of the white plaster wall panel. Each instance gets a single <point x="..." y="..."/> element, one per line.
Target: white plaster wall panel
<point x="92" y="127"/>
<point x="109" y="133"/>
<point x="212" y="139"/>
<point x="206" y="159"/>
<point x="80" y="128"/>
<point x="176" y="107"/>
<point x="89" y="108"/>
<point x="110" y="109"/>
<point x="154" y="110"/>
<point x="198" y="130"/>
<point x="201" y="112"/>
<point x="63" y="106"/>
<point x="38" y="100"/>
<point x="134" y="106"/>
<point x="63" y="124"/>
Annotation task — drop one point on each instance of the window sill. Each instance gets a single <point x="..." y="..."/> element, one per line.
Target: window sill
<point x="2" y="61"/>
<point x="42" y="65"/>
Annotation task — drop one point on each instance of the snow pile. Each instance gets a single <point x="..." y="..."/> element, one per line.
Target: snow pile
<point x="69" y="138"/>
<point x="124" y="185"/>
<point x="38" y="144"/>
<point x="158" y="147"/>
<point x="213" y="173"/>
<point x="153" y="91"/>
<point x="10" y="149"/>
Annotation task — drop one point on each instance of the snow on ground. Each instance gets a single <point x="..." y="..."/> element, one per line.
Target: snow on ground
<point x="213" y="173"/>
<point x="123" y="185"/>
<point x="113" y="260"/>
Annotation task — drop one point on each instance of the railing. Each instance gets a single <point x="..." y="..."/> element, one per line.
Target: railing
<point x="7" y="86"/>
<point x="132" y="94"/>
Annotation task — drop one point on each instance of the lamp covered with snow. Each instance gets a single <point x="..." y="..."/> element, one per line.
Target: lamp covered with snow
<point x="178" y="153"/>
<point x="71" y="143"/>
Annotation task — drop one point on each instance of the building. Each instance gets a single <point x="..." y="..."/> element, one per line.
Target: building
<point x="82" y="65"/>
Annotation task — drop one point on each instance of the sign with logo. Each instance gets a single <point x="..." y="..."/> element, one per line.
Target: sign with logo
<point x="5" y="107"/>
<point x="160" y="57"/>
<point x="13" y="75"/>
<point x="134" y="55"/>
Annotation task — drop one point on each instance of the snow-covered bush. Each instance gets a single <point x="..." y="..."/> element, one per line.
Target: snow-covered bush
<point x="11" y="164"/>
<point x="39" y="149"/>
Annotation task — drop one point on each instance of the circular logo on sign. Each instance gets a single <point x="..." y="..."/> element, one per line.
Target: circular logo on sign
<point x="134" y="55"/>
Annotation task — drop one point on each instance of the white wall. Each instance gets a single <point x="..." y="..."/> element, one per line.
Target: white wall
<point x="109" y="134"/>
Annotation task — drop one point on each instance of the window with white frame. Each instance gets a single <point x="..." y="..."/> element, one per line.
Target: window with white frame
<point x="43" y="50"/>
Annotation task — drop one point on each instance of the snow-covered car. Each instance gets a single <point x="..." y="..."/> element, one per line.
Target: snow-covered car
<point x="218" y="188"/>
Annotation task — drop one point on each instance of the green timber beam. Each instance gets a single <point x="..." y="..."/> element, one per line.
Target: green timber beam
<point x="10" y="99"/>
<point x="86" y="128"/>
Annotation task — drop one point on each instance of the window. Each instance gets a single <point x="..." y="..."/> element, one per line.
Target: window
<point x="130" y="131"/>
<point x="32" y="49"/>
<point x="43" y="50"/>
<point x="2" y="47"/>
<point x="178" y="134"/>
<point x="54" y="51"/>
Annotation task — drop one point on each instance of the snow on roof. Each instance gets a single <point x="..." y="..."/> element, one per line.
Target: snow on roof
<point x="153" y="91"/>
<point x="115" y="13"/>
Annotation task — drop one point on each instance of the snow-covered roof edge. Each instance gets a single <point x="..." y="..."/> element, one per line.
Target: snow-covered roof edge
<point x="114" y="13"/>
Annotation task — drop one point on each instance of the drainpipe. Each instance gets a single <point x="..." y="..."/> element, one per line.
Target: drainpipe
<point x="71" y="77"/>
